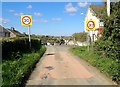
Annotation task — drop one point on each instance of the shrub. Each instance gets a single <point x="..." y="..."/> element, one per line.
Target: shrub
<point x="13" y="48"/>
<point x="15" y="71"/>
<point x="109" y="44"/>
<point x="19" y="59"/>
<point x="109" y="66"/>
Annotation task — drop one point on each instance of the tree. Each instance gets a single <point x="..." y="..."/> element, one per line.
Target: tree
<point x="109" y="43"/>
<point x="79" y="36"/>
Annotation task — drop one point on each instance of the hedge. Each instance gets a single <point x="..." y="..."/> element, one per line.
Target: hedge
<point x="14" y="72"/>
<point x="12" y="48"/>
<point x="109" y="66"/>
<point x="19" y="59"/>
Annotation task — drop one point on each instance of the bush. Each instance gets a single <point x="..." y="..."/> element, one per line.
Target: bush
<point x="109" y="44"/>
<point x="19" y="59"/>
<point x="13" y="48"/>
<point x="109" y="66"/>
<point x="14" y="71"/>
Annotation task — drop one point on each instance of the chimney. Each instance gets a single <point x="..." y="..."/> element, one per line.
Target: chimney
<point x="108" y="7"/>
<point x="12" y="28"/>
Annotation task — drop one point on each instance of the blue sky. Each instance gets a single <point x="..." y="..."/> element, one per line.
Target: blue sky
<point x="49" y="18"/>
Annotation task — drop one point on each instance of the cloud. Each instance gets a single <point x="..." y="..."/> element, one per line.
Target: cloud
<point x="37" y="14"/>
<point x="29" y="6"/>
<point x="4" y="21"/>
<point x="11" y="10"/>
<point x="41" y="20"/>
<point x="56" y="19"/>
<point x="81" y="13"/>
<point x="19" y="14"/>
<point x="82" y="4"/>
<point x="70" y="8"/>
<point x="72" y="14"/>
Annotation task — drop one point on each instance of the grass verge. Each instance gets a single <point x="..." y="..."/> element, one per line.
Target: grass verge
<point x="14" y="71"/>
<point x="109" y="66"/>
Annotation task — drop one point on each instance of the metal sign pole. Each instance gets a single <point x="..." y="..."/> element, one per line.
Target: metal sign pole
<point x="29" y="36"/>
<point x="92" y="40"/>
<point x="88" y="40"/>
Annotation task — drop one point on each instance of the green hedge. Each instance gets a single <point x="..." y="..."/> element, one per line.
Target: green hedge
<point x="109" y="44"/>
<point x="109" y="66"/>
<point x="18" y="59"/>
<point x="14" y="71"/>
<point x="12" y="48"/>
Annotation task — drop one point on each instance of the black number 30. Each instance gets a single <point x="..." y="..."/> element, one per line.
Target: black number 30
<point x="26" y="20"/>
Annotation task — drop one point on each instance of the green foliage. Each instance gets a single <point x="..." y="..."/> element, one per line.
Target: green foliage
<point x="14" y="47"/>
<point x="19" y="59"/>
<point x="14" y="71"/>
<point x="79" y="36"/>
<point x="107" y="65"/>
<point x="109" y="44"/>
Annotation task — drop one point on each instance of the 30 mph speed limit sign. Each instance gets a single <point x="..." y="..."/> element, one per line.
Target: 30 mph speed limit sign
<point x="26" y="20"/>
<point x="90" y="25"/>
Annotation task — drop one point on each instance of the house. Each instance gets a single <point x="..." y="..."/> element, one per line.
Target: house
<point x="9" y="32"/>
<point x="14" y="33"/>
<point x="4" y="32"/>
<point x="77" y="43"/>
<point x="97" y="13"/>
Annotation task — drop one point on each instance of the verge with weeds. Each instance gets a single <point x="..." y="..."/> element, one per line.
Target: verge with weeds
<point x="108" y="66"/>
<point x="20" y="60"/>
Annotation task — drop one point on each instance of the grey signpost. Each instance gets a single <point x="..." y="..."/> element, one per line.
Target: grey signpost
<point x="29" y="36"/>
<point x="26" y="20"/>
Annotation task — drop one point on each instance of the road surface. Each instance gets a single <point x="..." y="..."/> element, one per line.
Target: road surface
<point x="60" y="67"/>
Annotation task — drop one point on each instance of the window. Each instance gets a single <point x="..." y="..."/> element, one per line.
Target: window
<point x="101" y="20"/>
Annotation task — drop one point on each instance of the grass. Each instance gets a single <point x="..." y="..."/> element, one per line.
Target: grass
<point x="108" y="66"/>
<point x="14" y="71"/>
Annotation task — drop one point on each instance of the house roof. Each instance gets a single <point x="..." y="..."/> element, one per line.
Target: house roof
<point x="2" y="29"/>
<point x="99" y="10"/>
<point x="15" y="32"/>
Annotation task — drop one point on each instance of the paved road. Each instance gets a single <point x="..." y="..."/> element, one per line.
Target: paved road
<point x="59" y="67"/>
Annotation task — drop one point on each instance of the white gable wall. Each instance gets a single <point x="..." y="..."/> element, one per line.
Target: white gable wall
<point x="91" y="16"/>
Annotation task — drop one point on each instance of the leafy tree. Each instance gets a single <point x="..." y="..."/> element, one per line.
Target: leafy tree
<point x="79" y="36"/>
<point x="109" y="45"/>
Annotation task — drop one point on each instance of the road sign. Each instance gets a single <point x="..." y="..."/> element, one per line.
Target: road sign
<point x="26" y="20"/>
<point x="90" y="25"/>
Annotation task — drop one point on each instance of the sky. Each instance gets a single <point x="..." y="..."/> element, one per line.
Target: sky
<point x="49" y="18"/>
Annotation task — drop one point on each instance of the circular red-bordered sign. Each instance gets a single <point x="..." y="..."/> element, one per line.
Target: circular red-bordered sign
<point x="26" y="20"/>
<point x="91" y="25"/>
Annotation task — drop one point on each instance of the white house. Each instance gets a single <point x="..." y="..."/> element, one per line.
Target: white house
<point x="92" y="14"/>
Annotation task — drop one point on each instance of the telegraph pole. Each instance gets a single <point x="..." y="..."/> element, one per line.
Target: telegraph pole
<point x="108" y="7"/>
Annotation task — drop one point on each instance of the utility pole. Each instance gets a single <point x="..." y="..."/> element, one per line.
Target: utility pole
<point x="108" y="7"/>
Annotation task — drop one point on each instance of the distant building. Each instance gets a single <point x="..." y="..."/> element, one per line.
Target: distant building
<point x="4" y="32"/>
<point x="94" y="12"/>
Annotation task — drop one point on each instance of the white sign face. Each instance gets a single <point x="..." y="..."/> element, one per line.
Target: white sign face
<point x="26" y="20"/>
<point x="91" y="24"/>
